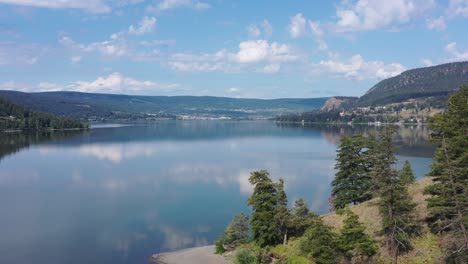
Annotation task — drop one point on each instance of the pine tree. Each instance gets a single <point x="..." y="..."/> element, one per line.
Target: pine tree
<point x="448" y="204"/>
<point x="264" y="201"/>
<point x="301" y="218"/>
<point x="282" y="211"/>
<point x="354" y="242"/>
<point x="320" y="243"/>
<point x="399" y="222"/>
<point x="237" y="231"/>
<point x="406" y="174"/>
<point x="352" y="183"/>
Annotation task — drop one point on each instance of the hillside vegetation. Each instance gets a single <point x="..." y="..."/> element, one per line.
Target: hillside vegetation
<point x="382" y="214"/>
<point x="111" y="106"/>
<point x="438" y="81"/>
<point x="16" y="117"/>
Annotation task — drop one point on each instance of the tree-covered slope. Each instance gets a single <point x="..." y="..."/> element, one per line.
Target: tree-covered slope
<point x="83" y="105"/>
<point x="439" y="80"/>
<point x="14" y="116"/>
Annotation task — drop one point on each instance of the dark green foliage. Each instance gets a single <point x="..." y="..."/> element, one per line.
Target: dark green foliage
<point x="301" y="218"/>
<point x="320" y="243"/>
<point x="237" y="232"/>
<point x="354" y="242"/>
<point x="282" y="212"/>
<point x="399" y="222"/>
<point x="449" y="202"/>
<point x="406" y="174"/>
<point x="244" y="257"/>
<point x="112" y="106"/>
<point x="264" y="203"/>
<point x="437" y="80"/>
<point x="352" y="183"/>
<point x="16" y="117"/>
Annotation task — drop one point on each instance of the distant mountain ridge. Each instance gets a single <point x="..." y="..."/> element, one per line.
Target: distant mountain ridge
<point x="439" y="80"/>
<point x="88" y="105"/>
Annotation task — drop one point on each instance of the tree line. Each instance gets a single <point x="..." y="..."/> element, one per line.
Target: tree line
<point x="16" y="117"/>
<point x="365" y="170"/>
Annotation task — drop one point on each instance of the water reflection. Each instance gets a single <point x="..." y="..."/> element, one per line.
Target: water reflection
<point x="119" y="194"/>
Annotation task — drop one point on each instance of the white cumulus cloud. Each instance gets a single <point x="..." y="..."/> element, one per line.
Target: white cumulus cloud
<point x="365" y="15"/>
<point x="113" y="83"/>
<point x="455" y="53"/>
<point x="357" y="68"/>
<point x="146" y="25"/>
<point x="297" y="26"/>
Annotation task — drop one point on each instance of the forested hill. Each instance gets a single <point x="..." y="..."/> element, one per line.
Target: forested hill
<point x="439" y="80"/>
<point x="16" y="117"/>
<point x="88" y="105"/>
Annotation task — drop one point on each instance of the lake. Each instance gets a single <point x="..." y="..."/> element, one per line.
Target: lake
<point x="119" y="193"/>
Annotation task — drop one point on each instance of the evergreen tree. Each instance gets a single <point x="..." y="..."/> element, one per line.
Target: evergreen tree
<point x="354" y="242"/>
<point x="352" y="182"/>
<point x="264" y="202"/>
<point x="406" y="174"/>
<point x="320" y="243"/>
<point x="301" y="218"/>
<point x="448" y="204"/>
<point x="282" y="212"/>
<point x="237" y="231"/>
<point x="399" y="222"/>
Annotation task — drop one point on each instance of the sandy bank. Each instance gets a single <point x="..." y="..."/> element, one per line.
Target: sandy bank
<point x="203" y="255"/>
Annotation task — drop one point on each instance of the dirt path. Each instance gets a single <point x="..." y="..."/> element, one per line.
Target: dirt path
<point x="195" y="255"/>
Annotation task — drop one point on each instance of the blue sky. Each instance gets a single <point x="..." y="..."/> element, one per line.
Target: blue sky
<point x="247" y="49"/>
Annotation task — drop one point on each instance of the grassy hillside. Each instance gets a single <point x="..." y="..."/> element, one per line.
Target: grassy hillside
<point x="86" y="105"/>
<point x="436" y="81"/>
<point x="426" y="247"/>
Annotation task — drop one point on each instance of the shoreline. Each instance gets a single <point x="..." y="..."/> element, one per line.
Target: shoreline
<point x="204" y="254"/>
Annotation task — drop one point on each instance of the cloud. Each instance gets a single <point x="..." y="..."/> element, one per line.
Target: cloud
<point x="427" y="62"/>
<point x="249" y="53"/>
<point x="297" y="26"/>
<point x="254" y="31"/>
<point x="114" y="83"/>
<point x="456" y="55"/>
<point x="271" y="68"/>
<point x="318" y="34"/>
<point x="115" y="46"/>
<point x="232" y="90"/>
<point x="366" y="15"/>
<point x="20" y="53"/>
<point x="146" y="25"/>
<point x="172" y="4"/>
<point x="75" y="59"/>
<point x="261" y="50"/>
<point x="457" y="8"/>
<point x="436" y="24"/>
<point x="265" y="29"/>
<point x="357" y="68"/>
<point x="94" y="6"/>
<point x="158" y="42"/>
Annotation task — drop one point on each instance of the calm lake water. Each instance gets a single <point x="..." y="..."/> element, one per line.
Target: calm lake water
<point x="117" y="194"/>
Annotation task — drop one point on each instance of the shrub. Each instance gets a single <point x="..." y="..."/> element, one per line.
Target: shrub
<point x="244" y="257"/>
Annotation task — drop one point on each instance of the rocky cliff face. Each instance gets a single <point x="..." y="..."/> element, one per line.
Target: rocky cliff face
<point x="339" y="102"/>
